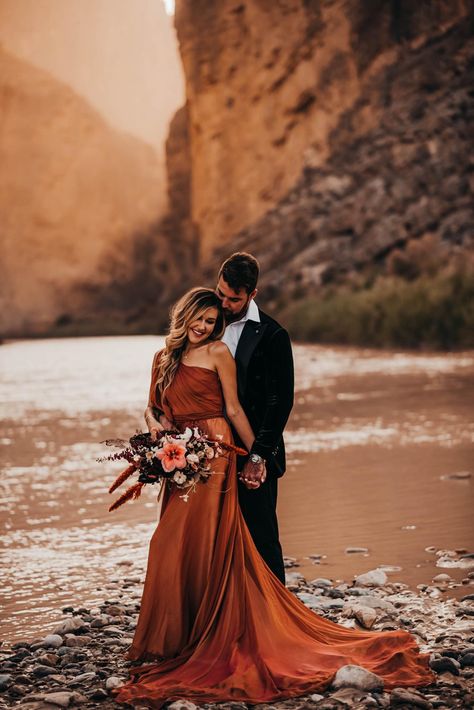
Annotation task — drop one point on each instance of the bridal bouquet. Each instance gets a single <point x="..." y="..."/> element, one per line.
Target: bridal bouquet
<point x="180" y="460"/>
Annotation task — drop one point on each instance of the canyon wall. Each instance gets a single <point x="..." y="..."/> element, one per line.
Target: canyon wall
<point x="74" y="195"/>
<point x="324" y="134"/>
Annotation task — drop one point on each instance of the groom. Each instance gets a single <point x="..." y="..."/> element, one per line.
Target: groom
<point x="262" y="352"/>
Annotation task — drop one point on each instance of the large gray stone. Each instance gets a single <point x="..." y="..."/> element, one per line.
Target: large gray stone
<point x="356" y="677"/>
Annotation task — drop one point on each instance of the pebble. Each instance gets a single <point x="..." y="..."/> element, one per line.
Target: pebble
<point x="457" y="476"/>
<point x="445" y="664"/>
<point x="467" y="660"/>
<point x="113" y="682"/>
<point x="356" y="677"/>
<point x="100" y="621"/>
<point x="69" y="626"/>
<point x="52" y="640"/>
<point x="48" y="659"/>
<point x="63" y="698"/>
<point x="442" y="578"/>
<point x="99" y="694"/>
<point x="373" y="578"/>
<point x="410" y="698"/>
<point x="182" y="705"/>
<point x="365" y="616"/>
<point x="40" y="671"/>
<point x="84" y="677"/>
<point x="74" y="641"/>
<point x="5" y="680"/>
<point x="356" y="550"/>
<point x="321" y="582"/>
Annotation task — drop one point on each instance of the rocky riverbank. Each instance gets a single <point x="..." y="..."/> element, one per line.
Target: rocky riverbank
<point x="79" y="661"/>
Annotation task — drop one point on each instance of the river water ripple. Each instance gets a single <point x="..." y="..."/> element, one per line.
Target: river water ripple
<point x="380" y="456"/>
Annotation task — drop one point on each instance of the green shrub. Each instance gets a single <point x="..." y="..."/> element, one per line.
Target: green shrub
<point x="434" y="312"/>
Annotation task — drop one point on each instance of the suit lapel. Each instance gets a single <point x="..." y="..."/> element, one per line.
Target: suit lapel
<point x="250" y="338"/>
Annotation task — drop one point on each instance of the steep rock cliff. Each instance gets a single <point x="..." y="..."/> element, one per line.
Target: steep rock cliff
<point x="324" y="134"/>
<point x="74" y="194"/>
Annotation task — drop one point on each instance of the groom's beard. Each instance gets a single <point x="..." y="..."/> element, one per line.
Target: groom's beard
<point x="230" y="317"/>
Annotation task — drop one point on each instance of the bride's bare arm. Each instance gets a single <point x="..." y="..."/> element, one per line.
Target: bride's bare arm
<point x="227" y="372"/>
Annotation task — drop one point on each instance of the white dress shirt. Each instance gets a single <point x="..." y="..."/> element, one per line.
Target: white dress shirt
<point x="234" y="330"/>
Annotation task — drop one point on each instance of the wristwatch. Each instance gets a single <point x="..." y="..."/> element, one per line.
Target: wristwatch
<point x="256" y="458"/>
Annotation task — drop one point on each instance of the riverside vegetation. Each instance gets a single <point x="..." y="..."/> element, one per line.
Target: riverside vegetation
<point x="417" y="301"/>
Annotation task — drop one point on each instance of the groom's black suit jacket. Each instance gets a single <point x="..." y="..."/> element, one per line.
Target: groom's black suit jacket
<point x="265" y="380"/>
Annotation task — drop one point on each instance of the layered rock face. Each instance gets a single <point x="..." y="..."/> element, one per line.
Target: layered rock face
<point x="323" y="135"/>
<point x="74" y="195"/>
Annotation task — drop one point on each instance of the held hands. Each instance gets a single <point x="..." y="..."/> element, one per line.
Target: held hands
<point x="253" y="474"/>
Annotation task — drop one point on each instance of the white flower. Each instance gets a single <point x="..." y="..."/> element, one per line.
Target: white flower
<point x="192" y="458"/>
<point x="149" y="455"/>
<point x="137" y="458"/>
<point x="197" y="433"/>
<point x="179" y="478"/>
<point x="209" y="452"/>
<point x="188" y="432"/>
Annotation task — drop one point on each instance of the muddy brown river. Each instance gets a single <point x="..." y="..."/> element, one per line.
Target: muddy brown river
<point x="380" y="453"/>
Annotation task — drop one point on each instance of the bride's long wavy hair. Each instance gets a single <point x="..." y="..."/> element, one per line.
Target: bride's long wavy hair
<point x="184" y="312"/>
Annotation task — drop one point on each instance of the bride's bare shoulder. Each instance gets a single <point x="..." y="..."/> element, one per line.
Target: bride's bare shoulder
<point x="218" y="349"/>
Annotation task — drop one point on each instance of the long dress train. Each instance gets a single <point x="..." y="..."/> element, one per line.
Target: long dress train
<point x="215" y="624"/>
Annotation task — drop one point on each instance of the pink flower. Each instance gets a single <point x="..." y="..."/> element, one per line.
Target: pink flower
<point x="172" y="456"/>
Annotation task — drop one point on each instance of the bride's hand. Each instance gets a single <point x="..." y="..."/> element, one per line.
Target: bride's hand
<point x="154" y="431"/>
<point x="166" y="424"/>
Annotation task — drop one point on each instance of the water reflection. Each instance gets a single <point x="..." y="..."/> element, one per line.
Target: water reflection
<point x="373" y="443"/>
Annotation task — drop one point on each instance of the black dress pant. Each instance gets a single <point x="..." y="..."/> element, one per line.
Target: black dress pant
<point x="258" y="507"/>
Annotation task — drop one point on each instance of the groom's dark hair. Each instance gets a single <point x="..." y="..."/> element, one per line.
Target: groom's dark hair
<point x="240" y="270"/>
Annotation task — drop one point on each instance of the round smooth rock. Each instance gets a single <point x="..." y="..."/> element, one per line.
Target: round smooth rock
<point x="321" y="582"/>
<point x="356" y="677"/>
<point x="84" y="677"/>
<point x="113" y="682"/>
<point x="467" y="660"/>
<point x="182" y="705"/>
<point x="5" y="679"/>
<point x="40" y="671"/>
<point x="373" y="578"/>
<point x="74" y="641"/>
<point x="445" y="664"/>
<point x="69" y="626"/>
<point x="52" y="641"/>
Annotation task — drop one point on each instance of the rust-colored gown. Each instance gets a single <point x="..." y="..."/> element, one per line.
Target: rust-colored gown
<point x="215" y="624"/>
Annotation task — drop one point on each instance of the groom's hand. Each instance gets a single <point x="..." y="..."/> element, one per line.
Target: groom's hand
<point x="253" y="474"/>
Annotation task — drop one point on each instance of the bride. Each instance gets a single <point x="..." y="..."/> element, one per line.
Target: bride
<point x="215" y="624"/>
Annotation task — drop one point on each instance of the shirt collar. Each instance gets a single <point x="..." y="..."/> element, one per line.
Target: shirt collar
<point x="252" y="313"/>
